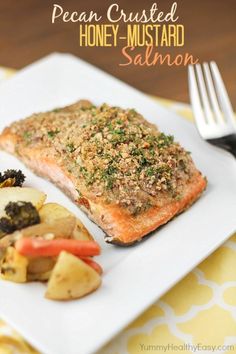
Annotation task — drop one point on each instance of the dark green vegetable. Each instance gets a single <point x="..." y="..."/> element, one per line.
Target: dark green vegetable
<point x="13" y="178"/>
<point x="19" y="215"/>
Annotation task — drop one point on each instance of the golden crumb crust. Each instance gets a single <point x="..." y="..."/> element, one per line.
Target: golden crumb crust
<point x="107" y="156"/>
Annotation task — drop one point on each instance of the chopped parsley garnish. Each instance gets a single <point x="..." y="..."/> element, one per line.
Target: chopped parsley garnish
<point x="150" y="171"/>
<point x="27" y="135"/>
<point x="108" y="176"/>
<point x="53" y="133"/>
<point x="132" y="111"/>
<point x="163" y="140"/>
<point x="70" y="147"/>
<point x="119" y="131"/>
<point x="78" y="191"/>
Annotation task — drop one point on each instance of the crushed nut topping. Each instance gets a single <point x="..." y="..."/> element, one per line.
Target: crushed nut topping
<point x="112" y="153"/>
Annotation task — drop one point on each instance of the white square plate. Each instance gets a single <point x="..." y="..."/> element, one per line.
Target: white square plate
<point x="134" y="277"/>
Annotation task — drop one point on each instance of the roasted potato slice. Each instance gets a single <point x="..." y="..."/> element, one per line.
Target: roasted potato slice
<point x="59" y="228"/>
<point x="62" y="228"/>
<point x="2" y="234"/>
<point x="51" y="212"/>
<point x="71" y="278"/>
<point x="16" y="194"/>
<point x="40" y="264"/>
<point x="40" y="268"/>
<point x="56" y="221"/>
<point x="38" y="277"/>
<point x="9" y="239"/>
<point x="81" y="233"/>
<point x="14" y="266"/>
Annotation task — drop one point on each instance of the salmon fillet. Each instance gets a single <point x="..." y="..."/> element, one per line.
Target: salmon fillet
<point x="120" y="169"/>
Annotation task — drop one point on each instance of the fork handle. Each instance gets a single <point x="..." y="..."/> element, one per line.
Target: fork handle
<point x="227" y="142"/>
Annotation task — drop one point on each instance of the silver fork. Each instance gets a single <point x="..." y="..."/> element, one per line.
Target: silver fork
<point x="212" y="109"/>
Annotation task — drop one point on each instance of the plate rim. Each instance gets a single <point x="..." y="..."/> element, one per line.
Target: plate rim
<point x="166" y="109"/>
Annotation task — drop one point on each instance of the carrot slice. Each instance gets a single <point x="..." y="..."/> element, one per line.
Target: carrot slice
<point x="92" y="264"/>
<point x="50" y="248"/>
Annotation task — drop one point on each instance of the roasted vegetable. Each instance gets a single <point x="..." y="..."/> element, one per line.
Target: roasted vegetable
<point x="2" y="234"/>
<point x="19" y="215"/>
<point x="40" y="268"/>
<point x="93" y="264"/>
<point x="44" y="242"/>
<point x="71" y="278"/>
<point x="40" y="264"/>
<point x="9" y="240"/>
<point x="14" y="266"/>
<point x="7" y="183"/>
<point x="80" y="232"/>
<point x="61" y="228"/>
<point x="35" y="247"/>
<point x="38" y="277"/>
<point x="2" y="254"/>
<point x="53" y="213"/>
<point x="17" y="194"/>
<point x="12" y="178"/>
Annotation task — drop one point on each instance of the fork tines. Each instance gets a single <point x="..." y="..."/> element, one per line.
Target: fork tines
<point x="212" y="108"/>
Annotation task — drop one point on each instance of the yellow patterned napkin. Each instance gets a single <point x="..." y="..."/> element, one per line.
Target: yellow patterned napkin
<point x="198" y="315"/>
